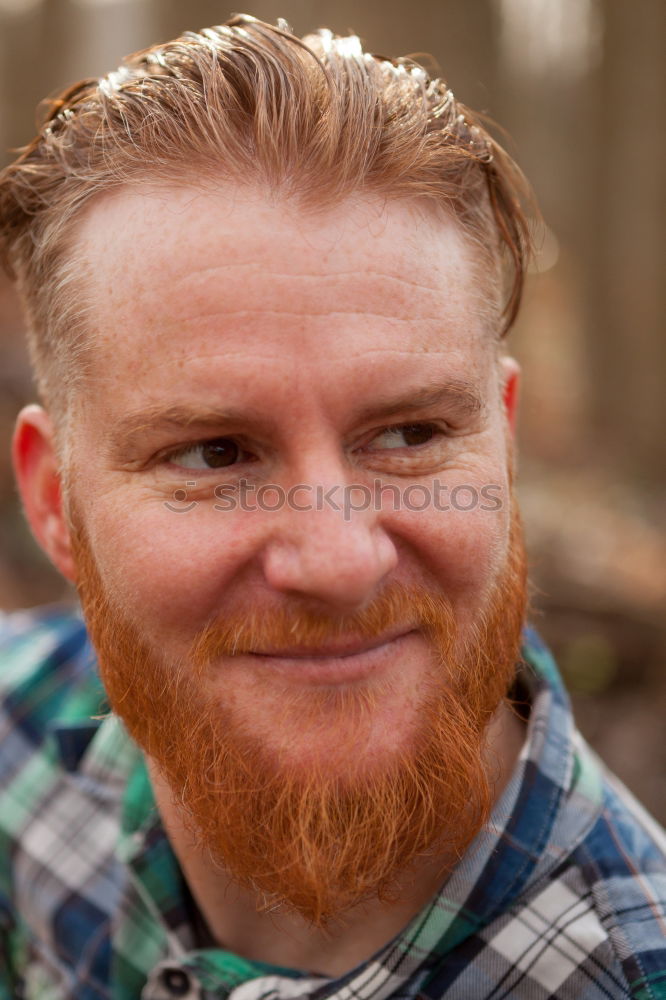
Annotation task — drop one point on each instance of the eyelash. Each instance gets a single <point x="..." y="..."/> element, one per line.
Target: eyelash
<point x="169" y="457"/>
<point x="439" y="431"/>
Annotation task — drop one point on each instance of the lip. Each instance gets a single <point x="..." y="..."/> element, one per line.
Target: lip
<point x="338" y="662"/>
<point x="340" y="647"/>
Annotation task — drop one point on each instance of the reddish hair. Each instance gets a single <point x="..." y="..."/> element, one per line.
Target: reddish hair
<point x="316" y="119"/>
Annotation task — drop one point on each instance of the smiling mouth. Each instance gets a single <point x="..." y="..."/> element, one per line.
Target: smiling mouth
<point x="340" y="647"/>
<point x="339" y="661"/>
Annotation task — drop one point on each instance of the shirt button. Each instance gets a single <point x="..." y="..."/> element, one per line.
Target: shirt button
<point x="169" y="980"/>
<point x="176" y="982"/>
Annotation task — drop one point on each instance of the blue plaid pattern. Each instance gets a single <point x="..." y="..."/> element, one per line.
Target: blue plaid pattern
<point x="563" y="895"/>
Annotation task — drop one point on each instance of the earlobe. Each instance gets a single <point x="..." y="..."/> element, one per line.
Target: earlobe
<point x="510" y="382"/>
<point x="39" y="481"/>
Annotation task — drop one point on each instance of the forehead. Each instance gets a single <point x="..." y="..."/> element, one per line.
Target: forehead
<point x="180" y="279"/>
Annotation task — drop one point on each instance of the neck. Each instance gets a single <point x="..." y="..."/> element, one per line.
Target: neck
<point x="283" y="938"/>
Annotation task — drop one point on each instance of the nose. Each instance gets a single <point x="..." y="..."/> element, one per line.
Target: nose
<point x="339" y="557"/>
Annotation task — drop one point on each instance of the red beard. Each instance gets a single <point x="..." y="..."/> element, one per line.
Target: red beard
<point x="322" y="837"/>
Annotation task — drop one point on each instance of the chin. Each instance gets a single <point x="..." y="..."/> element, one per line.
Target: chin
<point x="358" y="725"/>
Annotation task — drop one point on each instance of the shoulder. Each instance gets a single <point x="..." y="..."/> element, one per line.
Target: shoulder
<point x="38" y="644"/>
<point x="600" y="901"/>
<point x="590" y="920"/>
<point x="47" y="673"/>
<point x="622" y="865"/>
<point x="592" y="924"/>
<point x="62" y="775"/>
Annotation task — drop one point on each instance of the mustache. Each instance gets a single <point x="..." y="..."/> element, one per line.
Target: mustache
<point x="397" y="608"/>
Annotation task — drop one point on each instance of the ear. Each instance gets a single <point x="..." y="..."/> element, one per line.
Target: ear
<point x="39" y="481"/>
<point x="510" y="383"/>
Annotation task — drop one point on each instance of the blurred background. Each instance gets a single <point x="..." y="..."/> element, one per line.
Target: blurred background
<point x="580" y="86"/>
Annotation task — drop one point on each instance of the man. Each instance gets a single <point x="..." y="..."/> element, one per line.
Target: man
<point x="267" y="281"/>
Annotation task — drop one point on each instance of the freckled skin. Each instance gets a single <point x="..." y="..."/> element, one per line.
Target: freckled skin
<point x="206" y="299"/>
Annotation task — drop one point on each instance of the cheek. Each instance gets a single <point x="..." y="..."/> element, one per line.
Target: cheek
<point x="462" y="547"/>
<point x="170" y="566"/>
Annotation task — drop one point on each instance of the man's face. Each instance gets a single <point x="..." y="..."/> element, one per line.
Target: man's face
<point x="239" y="339"/>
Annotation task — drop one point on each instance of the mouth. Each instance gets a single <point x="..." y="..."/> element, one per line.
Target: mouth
<point x="342" y="660"/>
<point x="341" y="646"/>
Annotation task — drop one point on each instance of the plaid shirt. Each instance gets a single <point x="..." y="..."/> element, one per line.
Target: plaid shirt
<point x="562" y="895"/>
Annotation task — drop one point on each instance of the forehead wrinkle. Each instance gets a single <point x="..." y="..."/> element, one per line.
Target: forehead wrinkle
<point x="370" y="293"/>
<point x="318" y="276"/>
<point x="458" y="294"/>
<point x="305" y="313"/>
<point x="450" y="356"/>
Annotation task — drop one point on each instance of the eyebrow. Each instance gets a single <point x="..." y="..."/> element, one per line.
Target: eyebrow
<point x="158" y="420"/>
<point x="461" y="396"/>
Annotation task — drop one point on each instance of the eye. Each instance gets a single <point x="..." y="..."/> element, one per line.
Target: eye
<point x="218" y="453"/>
<point x="405" y="436"/>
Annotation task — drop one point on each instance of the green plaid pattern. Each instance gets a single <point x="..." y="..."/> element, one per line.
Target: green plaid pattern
<point x="563" y="895"/>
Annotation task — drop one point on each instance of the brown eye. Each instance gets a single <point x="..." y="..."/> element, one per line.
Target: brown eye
<point x="404" y="436"/>
<point x="219" y="453"/>
<point x="417" y="433"/>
